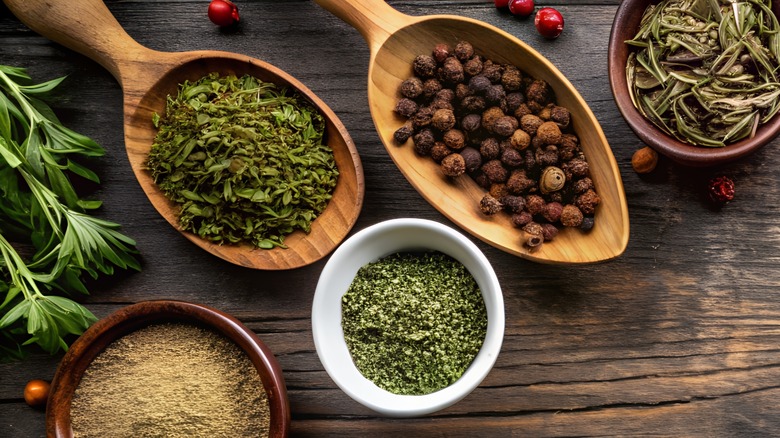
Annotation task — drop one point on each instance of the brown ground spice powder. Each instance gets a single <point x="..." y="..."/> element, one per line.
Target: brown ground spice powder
<point x="171" y="380"/>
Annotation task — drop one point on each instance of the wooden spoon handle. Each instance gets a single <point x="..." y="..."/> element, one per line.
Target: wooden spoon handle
<point x="374" y="19"/>
<point x="86" y="26"/>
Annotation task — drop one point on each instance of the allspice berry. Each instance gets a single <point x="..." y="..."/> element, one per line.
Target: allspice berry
<point x="530" y="123"/>
<point x="452" y="71"/>
<point x="644" y="160"/>
<point x="402" y="134"/>
<point x="455" y="139"/>
<point x="520" y="139"/>
<point x="549" y="133"/>
<point x="441" y="52"/>
<point x="453" y="165"/>
<point x="412" y="88"/>
<point x="473" y="66"/>
<point x="490" y="116"/>
<point x="406" y="107"/>
<point x="424" y="66"/>
<point x="571" y="216"/>
<point x="489" y="205"/>
<point x="505" y="126"/>
<point x="443" y="119"/>
<point x="472" y="158"/>
<point x="439" y="151"/>
<point x="463" y="50"/>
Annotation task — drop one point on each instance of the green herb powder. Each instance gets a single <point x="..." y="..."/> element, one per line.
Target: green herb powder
<point x="413" y="322"/>
<point x="244" y="159"/>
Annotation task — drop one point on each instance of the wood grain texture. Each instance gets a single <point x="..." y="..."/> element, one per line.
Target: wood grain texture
<point x="676" y="337"/>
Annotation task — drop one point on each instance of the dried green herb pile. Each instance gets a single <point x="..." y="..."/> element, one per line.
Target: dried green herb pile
<point x="244" y="159"/>
<point x="49" y="242"/>
<point x="171" y="380"/>
<point x="705" y="71"/>
<point x="413" y="322"/>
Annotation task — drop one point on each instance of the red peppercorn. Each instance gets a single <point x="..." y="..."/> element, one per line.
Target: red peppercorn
<point x="521" y="8"/>
<point x="501" y="3"/>
<point x="223" y="12"/>
<point x="549" y="22"/>
<point x="720" y="190"/>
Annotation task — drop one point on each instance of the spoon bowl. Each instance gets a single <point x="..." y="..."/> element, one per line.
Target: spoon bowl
<point x="394" y="40"/>
<point x="148" y="77"/>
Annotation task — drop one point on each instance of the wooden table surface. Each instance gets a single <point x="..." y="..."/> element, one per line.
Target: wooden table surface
<point x="679" y="336"/>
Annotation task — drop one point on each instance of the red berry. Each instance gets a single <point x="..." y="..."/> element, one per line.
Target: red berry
<point x="720" y="190"/>
<point x="549" y="22"/>
<point x="501" y="3"/>
<point x="223" y="12"/>
<point x="522" y="8"/>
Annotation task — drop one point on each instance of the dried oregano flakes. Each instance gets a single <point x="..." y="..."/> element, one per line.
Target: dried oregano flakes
<point x="413" y="322"/>
<point x="244" y="159"/>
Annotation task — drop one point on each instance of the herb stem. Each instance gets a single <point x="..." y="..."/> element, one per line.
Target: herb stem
<point x="725" y="52"/>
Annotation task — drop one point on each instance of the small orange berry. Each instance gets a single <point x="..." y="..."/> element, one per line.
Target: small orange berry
<point x="36" y="392"/>
<point x="644" y="160"/>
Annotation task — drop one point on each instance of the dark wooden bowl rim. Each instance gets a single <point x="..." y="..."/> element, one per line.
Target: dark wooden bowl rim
<point x="136" y="316"/>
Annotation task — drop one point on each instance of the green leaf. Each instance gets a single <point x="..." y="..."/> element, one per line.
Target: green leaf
<point x="42" y="88"/>
<point x="39" y="205"/>
<point x="5" y="118"/>
<point x="32" y="152"/>
<point x="20" y="73"/>
<point x="15" y="313"/>
<point x="10" y="293"/>
<point x="7" y="154"/>
<point x="63" y="140"/>
<point x="83" y="172"/>
<point x="90" y="204"/>
<point x="62" y="187"/>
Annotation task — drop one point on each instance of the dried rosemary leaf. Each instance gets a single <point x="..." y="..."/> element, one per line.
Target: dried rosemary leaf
<point x="244" y="159"/>
<point x="705" y="70"/>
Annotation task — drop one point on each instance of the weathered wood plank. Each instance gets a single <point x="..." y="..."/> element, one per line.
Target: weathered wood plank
<point x="677" y="337"/>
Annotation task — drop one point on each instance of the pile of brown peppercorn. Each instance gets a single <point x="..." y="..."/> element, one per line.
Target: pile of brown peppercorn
<point x="503" y="128"/>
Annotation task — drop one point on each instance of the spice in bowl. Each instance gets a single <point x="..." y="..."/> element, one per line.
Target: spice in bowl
<point x="243" y="159"/>
<point x="173" y="380"/>
<point x="503" y="128"/>
<point x="705" y="72"/>
<point x="413" y="322"/>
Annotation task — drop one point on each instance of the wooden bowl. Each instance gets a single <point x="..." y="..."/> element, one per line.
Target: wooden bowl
<point x="137" y="316"/>
<point x="624" y="27"/>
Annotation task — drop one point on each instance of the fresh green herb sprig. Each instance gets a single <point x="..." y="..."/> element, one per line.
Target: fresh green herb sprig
<point x="40" y="211"/>
<point x="244" y="160"/>
<point x="705" y="71"/>
<point x="413" y="322"/>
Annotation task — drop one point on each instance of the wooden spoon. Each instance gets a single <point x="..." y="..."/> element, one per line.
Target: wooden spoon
<point x="394" y="40"/>
<point x="147" y="77"/>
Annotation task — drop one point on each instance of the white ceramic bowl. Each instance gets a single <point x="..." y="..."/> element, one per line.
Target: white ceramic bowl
<point x="372" y="244"/>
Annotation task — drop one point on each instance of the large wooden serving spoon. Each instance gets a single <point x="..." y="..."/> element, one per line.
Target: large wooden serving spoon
<point x="394" y="40"/>
<point x="148" y="76"/>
